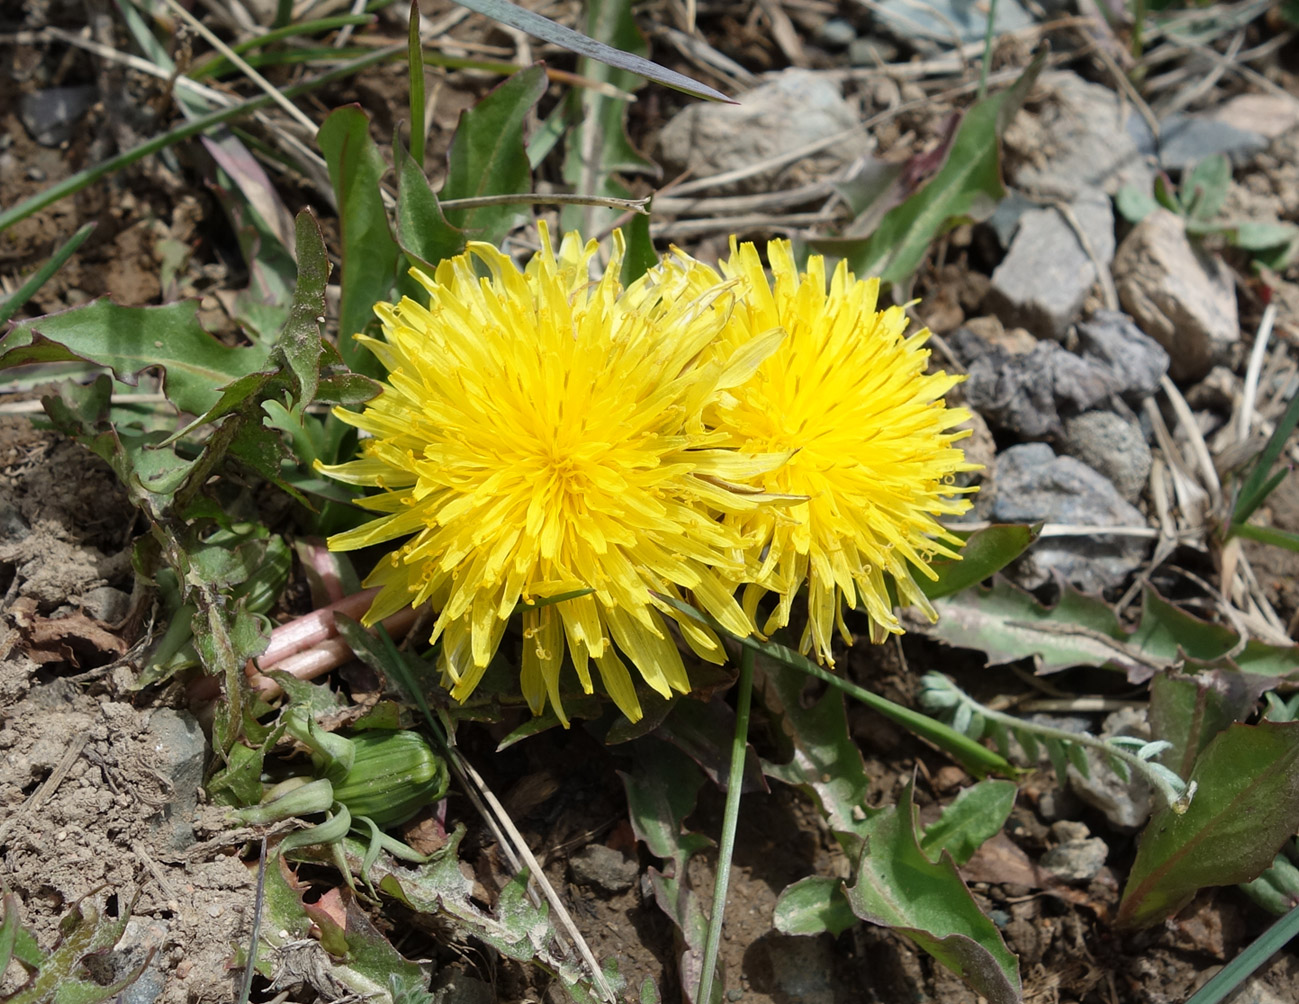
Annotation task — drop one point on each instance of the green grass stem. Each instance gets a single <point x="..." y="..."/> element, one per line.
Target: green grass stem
<point x="42" y="275"/>
<point x="194" y="127"/>
<point x="1239" y="969"/>
<point x="730" y="820"/>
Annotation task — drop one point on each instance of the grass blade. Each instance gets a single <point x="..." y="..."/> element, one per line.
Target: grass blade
<point x="1235" y="972"/>
<point x="575" y="41"/>
<point x="42" y="275"/>
<point x="415" y="63"/>
<point x="84" y="179"/>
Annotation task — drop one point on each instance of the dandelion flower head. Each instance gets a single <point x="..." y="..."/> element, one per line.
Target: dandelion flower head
<point x="539" y="443"/>
<point x="847" y="394"/>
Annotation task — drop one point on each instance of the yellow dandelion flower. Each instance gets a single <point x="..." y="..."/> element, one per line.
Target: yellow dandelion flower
<point x="870" y="440"/>
<point x="540" y="435"/>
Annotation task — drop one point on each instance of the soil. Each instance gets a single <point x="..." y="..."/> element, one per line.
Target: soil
<point x="88" y="814"/>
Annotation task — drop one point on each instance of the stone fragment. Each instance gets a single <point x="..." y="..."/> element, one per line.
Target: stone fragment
<point x="1077" y="861"/>
<point x="1026" y="393"/>
<point x="1045" y="276"/>
<point x="1185" y="140"/>
<point x="938" y="23"/>
<point x="604" y="868"/>
<point x="1268" y="115"/>
<point x="104" y="603"/>
<point x="1136" y="360"/>
<point x="793" y="109"/>
<point x="181" y="751"/>
<point x="1032" y="485"/>
<point x="1078" y="140"/>
<point x="1180" y="295"/>
<point x="801" y="968"/>
<point x="835" y="34"/>
<point x="1112" y="445"/>
<point x="50" y="116"/>
<point x="1125" y="804"/>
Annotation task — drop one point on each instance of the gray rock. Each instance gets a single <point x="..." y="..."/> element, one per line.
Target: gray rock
<point x="50" y="116"/>
<point x="146" y="989"/>
<point x="604" y="868"/>
<point x="791" y="110"/>
<point x="1032" y="484"/>
<point x="12" y="524"/>
<point x="1112" y="445"/>
<point x="1069" y="830"/>
<point x="181" y="748"/>
<point x="1044" y="278"/>
<point x="1004" y="221"/>
<point x="1026" y="393"/>
<point x="1080" y="141"/>
<point x="141" y="939"/>
<point x="836" y="34"/>
<point x="104" y="603"/>
<point x="1268" y="115"/>
<point x="1185" y="140"/>
<point x="979" y="448"/>
<point x="1136" y="360"/>
<point x="1180" y="295"/>
<point x="1125" y="804"/>
<point x="1077" y="860"/>
<point x="937" y="23"/>
<point x="801" y="968"/>
<point x="871" y="52"/>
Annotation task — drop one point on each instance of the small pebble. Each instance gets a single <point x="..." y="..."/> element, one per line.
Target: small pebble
<point x="35" y="174"/>
<point x="836" y="34"/>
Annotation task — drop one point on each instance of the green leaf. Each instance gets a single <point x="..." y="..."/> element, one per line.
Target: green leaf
<point x="368" y="251"/>
<point x="82" y="932"/>
<point x="703" y="730"/>
<point x="1170" y="633"/>
<point x="1188" y="711"/>
<point x="1277" y="889"/>
<point x="1267" y="535"/>
<point x="662" y="789"/>
<point x="130" y="340"/>
<point x="598" y="147"/>
<point x="440" y="891"/>
<point x="978" y="814"/>
<point x="641" y="256"/>
<point x="300" y="338"/>
<point x="544" y="28"/>
<point x="368" y="962"/>
<point x="239" y="783"/>
<point x="967" y="186"/>
<point x="1007" y="624"/>
<point x="1133" y="204"/>
<point x="422" y="231"/>
<point x="823" y="759"/>
<point x="1205" y="189"/>
<point x="488" y="156"/>
<point x="1260" y="482"/>
<point x="415" y="75"/>
<point x="814" y="905"/>
<point x="1166" y="196"/>
<point x="354" y="954"/>
<point x="898" y="887"/>
<point x="1245" y="807"/>
<point x="985" y="551"/>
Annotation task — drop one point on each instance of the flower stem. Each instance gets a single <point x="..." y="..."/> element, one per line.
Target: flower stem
<point x="734" y="785"/>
